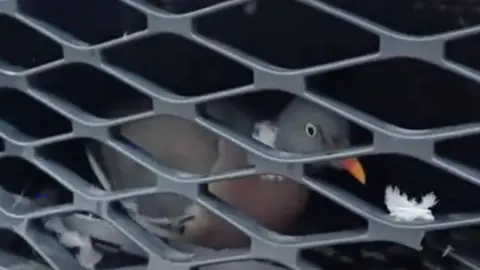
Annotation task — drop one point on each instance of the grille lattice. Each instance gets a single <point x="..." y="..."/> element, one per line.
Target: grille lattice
<point x="57" y="52"/>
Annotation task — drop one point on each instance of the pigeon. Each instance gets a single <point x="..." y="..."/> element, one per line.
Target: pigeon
<point x="301" y="127"/>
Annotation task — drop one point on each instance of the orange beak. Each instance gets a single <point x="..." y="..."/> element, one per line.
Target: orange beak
<point x="353" y="166"/>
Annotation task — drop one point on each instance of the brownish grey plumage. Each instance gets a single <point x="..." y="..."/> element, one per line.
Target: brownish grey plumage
<point x="185" y="146"/>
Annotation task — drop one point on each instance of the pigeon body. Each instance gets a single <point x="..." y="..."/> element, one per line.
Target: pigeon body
<point x="183" y="145"/>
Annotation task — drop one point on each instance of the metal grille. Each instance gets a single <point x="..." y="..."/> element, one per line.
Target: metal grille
<point x="30" y="75"/>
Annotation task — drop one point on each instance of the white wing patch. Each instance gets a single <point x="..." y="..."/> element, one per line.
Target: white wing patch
<point x="266" y="133"/>
<point x="402" y="208"/>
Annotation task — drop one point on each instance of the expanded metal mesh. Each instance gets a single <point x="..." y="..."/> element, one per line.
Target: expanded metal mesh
<point x="67" y="50"/>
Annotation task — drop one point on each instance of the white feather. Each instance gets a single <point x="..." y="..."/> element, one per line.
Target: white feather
<point x="402" y="208"/>
<point x="265" y="132"/>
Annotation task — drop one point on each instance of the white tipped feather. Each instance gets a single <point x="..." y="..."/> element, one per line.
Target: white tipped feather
<point x="403" y="208"/>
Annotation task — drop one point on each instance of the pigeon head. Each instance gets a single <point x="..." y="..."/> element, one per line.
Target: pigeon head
<point x="304" y="127"/>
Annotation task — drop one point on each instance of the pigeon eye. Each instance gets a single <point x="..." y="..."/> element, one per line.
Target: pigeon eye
<point x="311" y="130"/>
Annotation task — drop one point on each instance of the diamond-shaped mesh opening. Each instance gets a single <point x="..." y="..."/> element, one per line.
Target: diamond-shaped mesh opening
<point x="103" y="160"/>
<point x="254" y="103"/>
<point x="171" y="205"/>
<point x="425" y="17"/>
<point x="183" y="6"/>
<point x="374" y="255"/>
<point x="23" y="255"/>
<point x="16" y="48"/>
<point x="407" y="93"/>
<point x="457" y="195"/>
<point x="72" y="18"/>
<point x="26" y="180"/>
<point x="212" y="225"/>
<point x="264" y="196"/>
<point x="72" y="83"/>
<point x="198" y="225"/>
<point x="286" y="33"/>
<point x="148" y="235"/>
<point x="461" y="239"/>
<point x="47" y="122"/>
<point x="462" y="150"/>
<point x="179" y="64"/>
<point x="194" y="146"/>
<point x="317" y="215"/>
<point x="72" y="155"/>
<point x="77" y="232"/>
<point x="462" y="51"/>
